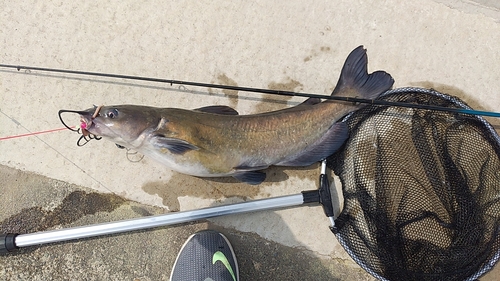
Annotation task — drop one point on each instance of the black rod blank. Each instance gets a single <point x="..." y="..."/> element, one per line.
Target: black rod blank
<point x="257" y="90"/>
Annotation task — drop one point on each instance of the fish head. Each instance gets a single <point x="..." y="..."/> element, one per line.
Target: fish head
<point x="126" y="125"/>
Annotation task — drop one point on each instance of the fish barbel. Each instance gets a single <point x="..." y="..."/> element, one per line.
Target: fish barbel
<point x="215" y="141"/>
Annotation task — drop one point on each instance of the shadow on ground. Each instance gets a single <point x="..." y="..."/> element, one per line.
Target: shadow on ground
<point x="35" y="203"/>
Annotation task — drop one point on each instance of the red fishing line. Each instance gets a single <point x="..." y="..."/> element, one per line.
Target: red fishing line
<point x="34" y="133"/>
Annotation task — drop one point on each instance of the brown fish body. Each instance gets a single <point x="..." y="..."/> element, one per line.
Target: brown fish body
<point x="214" y="141"/>
<point x="226" y="141"/>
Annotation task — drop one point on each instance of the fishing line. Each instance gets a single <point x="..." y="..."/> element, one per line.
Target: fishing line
<point x="258" y="90"/>
<point x="36" y="133"/>
<point x="134" y="153"/>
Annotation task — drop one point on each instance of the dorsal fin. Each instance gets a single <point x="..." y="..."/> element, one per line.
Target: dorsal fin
<point x="218" y="109"/>
<point x="311" y="101"/>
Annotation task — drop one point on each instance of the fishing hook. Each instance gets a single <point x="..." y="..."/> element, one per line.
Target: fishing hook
<point x="86" y="135"/>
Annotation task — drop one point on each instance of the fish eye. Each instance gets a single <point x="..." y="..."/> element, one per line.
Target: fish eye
<point x="112" y="113"/>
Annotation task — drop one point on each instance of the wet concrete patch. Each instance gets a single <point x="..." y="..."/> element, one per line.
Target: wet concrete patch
<point x="184" y="185"/>
<point x="443" y="88"/>
<point x="452" y="91"/>
<point x="76" y="205"/>
<point x="279" y="102"/>
<point x="219" y="188"/>
<point x="288" y="85"/>
<point x="231" y="94"/>
<point x="317" y="52"/>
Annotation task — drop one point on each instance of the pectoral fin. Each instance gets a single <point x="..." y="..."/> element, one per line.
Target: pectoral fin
<point x="251" y="177"/>
<point x="218" y="109"/>
<point x="330" y="142"/>
<point x="249" y="174"/>
<point x="175" y="146"/>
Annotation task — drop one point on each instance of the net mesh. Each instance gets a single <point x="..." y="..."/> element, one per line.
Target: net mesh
<point x="421" y="190"/>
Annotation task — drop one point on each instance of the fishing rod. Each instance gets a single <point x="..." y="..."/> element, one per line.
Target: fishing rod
<point x="257" y="90"/>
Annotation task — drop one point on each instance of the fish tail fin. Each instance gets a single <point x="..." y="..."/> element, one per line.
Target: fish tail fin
<point x="355" y="81"/>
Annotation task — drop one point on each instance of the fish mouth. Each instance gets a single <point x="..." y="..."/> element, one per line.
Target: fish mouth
<point x="87" y="124"/>
<point x="86" y="119"/>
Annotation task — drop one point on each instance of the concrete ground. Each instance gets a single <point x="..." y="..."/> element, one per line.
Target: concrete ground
<point x="36" y="203"/>
<point x="448" y="45"/>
